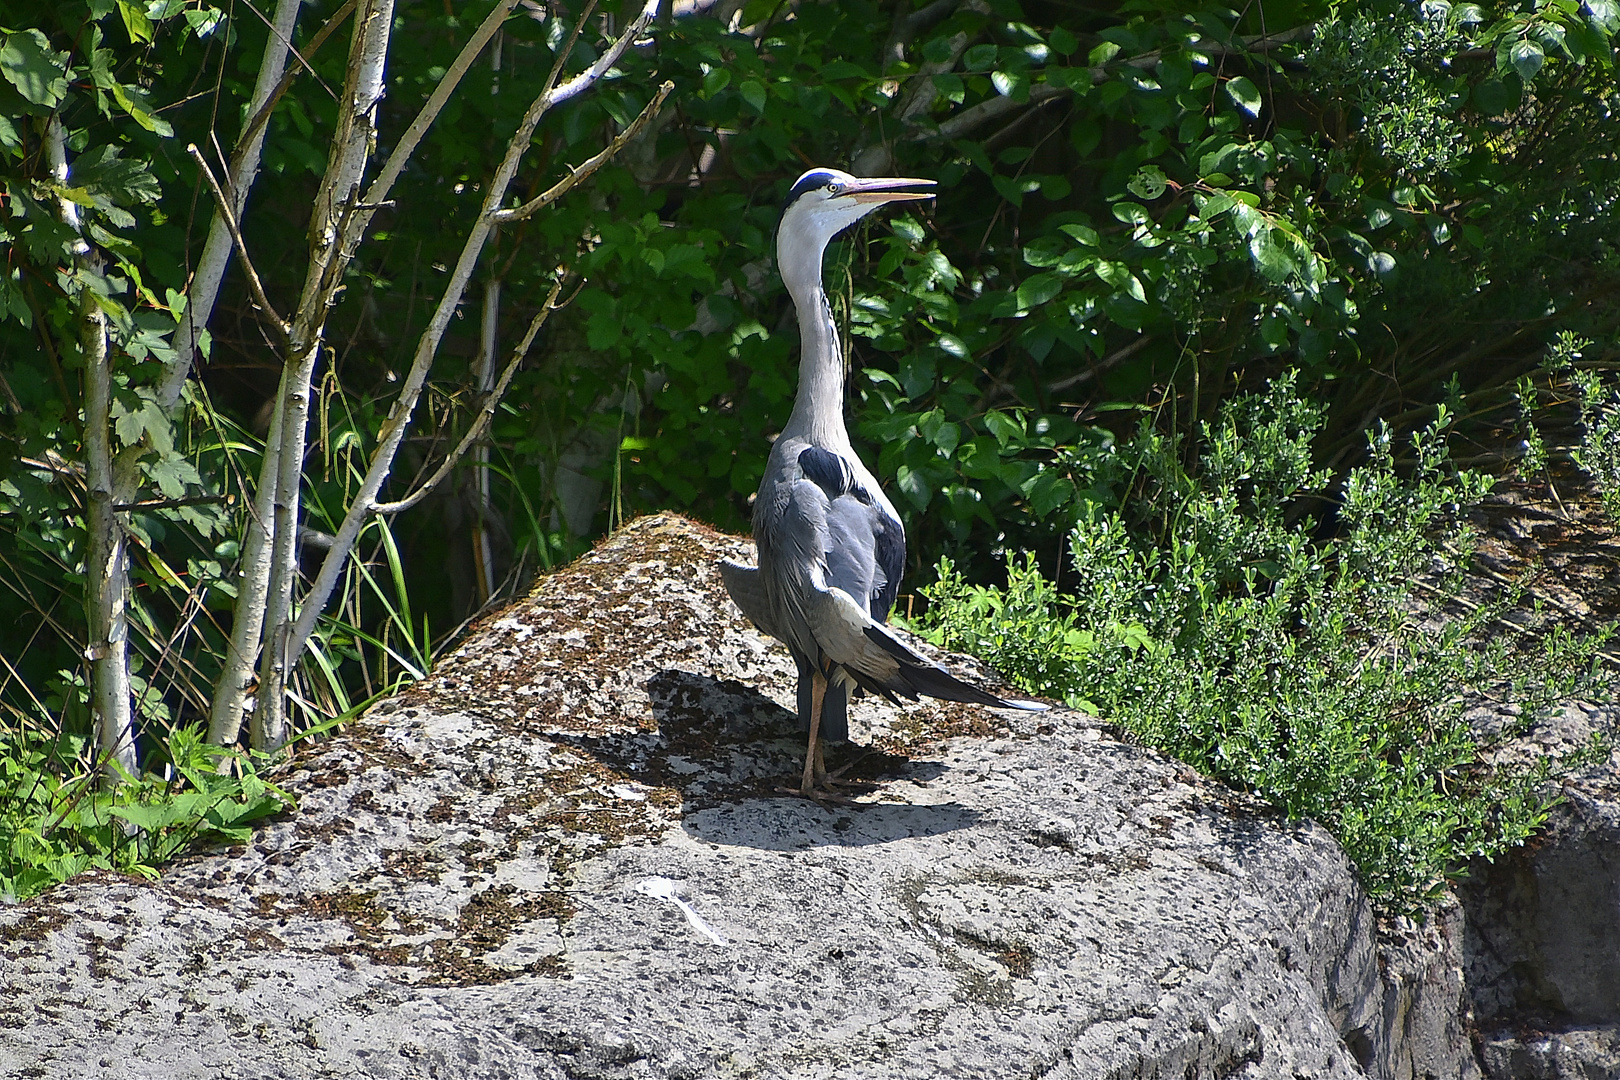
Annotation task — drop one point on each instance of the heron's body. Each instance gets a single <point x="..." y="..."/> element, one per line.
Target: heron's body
<point x="831" y="546"/>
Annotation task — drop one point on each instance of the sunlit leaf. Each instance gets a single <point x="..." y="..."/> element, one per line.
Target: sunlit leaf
<point x="1244" y="94"/>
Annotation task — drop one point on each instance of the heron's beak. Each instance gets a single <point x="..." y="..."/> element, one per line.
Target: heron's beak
<point x="880" y="189"/>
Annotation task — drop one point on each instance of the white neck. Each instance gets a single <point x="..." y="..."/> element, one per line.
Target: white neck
<point x="818" y="409"/>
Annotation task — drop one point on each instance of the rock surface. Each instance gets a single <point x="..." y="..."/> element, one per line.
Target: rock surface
<point x="464" y="891"/>
<point x="1543" y="926"/>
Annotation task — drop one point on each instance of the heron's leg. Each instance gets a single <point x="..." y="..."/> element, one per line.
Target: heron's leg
<point x="812" y="756"/>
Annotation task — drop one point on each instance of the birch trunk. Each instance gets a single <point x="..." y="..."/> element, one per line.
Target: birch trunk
<point x="216" y="253"/>
<point x="331" y="247"/>
<point x="106" y="564"/>
<point x="269" y="568"/>
<point x="106" y="558"/>
<point x="231" y="694"/>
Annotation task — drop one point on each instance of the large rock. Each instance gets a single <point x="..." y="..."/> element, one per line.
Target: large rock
<point x="469" y="889"/>
<point x="1543" y="925"/>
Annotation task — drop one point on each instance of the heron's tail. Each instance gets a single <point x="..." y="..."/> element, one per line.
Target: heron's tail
<point x="919" y="675"/>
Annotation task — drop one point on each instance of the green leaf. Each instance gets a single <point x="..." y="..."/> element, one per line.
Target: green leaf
<point x="37" y="71"/>
<point x="1081" y="234"/>
<point x="1011" y="84"/>
<point x="1062" y="41"/>
<point x="753" y="93"/>
<point x="979" y="58"/>
<point x="1527" y="59"/>
<point x="1244" y="94"/>
<point x="1005" y="428"/>
<point x="1270" y="257"/>
<point x="603" y="331"/>
<point x="133" y="101"/>
<point x="122" y="180"/>
<point x="1274" y="331"/>
<point x="135" y="21"/>
<point x="1148" y="183"/>
<point x="1604" y="15"/>
<point x="715" y="81"/>
<point x="913" y="486"/>
<point x="1038" y="289"/>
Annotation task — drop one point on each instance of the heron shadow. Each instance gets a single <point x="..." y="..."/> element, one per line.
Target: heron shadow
<point x="729" y="750"/>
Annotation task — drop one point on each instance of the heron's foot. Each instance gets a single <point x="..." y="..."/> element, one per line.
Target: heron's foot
<point x="818" y="795"/>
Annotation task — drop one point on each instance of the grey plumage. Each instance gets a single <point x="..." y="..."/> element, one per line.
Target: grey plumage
<point x="831" y="546"/>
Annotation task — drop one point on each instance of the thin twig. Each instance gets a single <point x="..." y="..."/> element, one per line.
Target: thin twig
<point x="315" y="74"/>
<point x="568" y="49"/>
<point x="485" y="415"/>
<point x="283" y="331"/>
<point x="585" y="171"/>
<point x="378" y="191"/>
<point x="170" y="504"/>
<point x="262" y="117"/>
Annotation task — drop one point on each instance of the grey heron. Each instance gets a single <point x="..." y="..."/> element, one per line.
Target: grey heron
<point x="831" y="546"/>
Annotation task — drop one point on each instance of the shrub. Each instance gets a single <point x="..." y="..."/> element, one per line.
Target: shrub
<point x="55" y="821"/>
<point x="1218" y="622"/>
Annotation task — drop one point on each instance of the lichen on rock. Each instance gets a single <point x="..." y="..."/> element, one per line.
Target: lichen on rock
<point x="456" y="894"/>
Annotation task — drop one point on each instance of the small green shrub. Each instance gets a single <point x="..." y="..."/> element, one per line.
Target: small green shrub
<point x="56" y="821"/>
<point x="1599" y="453"/>
<point x="1215" y="623"/>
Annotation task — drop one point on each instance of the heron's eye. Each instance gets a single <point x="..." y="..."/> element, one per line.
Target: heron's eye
<point x="834" y="187"/>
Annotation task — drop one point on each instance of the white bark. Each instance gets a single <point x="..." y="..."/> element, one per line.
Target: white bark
<point x="399" y="417"/>
<point x="234" y="689"/>
<point x="216" y="254"/>
<point x="268" y="571"/>
<point x="330" y="251"/>
<point x="106" y="557"/>
<point x="106" y="563"/>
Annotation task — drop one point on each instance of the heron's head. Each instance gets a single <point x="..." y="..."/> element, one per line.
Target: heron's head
<point x="825" y="202"/>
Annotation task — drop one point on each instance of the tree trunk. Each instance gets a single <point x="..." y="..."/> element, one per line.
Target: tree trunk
<point x="216" y="254"/>
<point x="331" y="248"/>
<point x="106" y="564"/>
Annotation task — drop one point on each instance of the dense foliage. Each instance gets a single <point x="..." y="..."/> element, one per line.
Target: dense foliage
<point x="1145" y="210"/>
<point x="1323" y="674"/>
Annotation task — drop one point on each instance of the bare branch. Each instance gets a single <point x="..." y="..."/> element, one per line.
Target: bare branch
<point x="399" y="417"/>
<point x="286" y="43"/>
<point x="908" y="26"/>
<point x="604" y="63"/>
<point x="1111" y="360"/>
<point x="588" y="169"/>
<point x="568" y="49"/>
<point x="203" y="290"/>
<point x="262" y="116"/>
<point x="378" y="191"/>
<point x="254" y="284"/>
<point x="487" y="413"/>
<point x="170" y="504"/>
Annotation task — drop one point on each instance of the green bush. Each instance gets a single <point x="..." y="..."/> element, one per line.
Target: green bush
<point x="1212" y="619"/>
<point x="55" y="821"/>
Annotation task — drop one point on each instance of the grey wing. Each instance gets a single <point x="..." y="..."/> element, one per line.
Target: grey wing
<point x="820" y="568"/>
<point x="748" y="593"/>
<point x="866" y="545"/>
